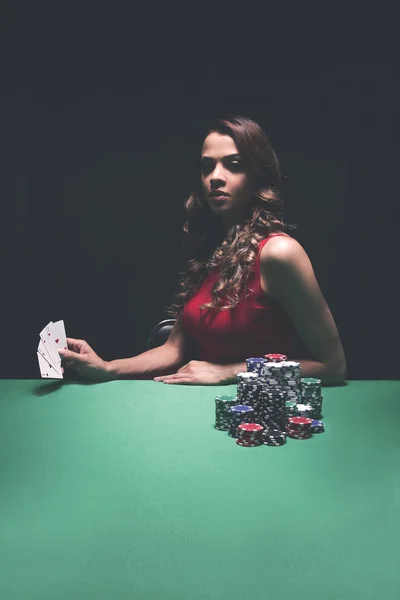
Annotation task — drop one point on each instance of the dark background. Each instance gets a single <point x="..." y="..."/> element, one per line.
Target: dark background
<point x="98" y="154"/>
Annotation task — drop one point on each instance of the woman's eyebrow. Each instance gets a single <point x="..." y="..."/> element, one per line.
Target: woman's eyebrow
<point x="227" y="156"/>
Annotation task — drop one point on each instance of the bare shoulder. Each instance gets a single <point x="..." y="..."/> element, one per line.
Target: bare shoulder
<point x="281" y="248"/>
<point x="283" y="260"/>
<point x="288" y="276"/>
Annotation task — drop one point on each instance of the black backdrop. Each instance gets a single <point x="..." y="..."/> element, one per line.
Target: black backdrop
<point x="93" y="184"/>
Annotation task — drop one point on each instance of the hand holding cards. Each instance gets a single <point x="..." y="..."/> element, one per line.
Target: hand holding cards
<point x="77" y="355"/>
<point x="52" y="337"/>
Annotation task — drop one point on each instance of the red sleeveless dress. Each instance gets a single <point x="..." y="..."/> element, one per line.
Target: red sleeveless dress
<point x="256" y="326"/>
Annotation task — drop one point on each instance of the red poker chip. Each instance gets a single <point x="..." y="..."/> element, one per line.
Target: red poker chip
<point x="275" y="357"/>
<point x="250" y="427"/>
<point x="300" y="420"/>
<point x="299" y="431"/>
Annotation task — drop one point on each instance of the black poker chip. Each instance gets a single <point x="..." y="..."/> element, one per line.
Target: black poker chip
<point x="274" y="437"/>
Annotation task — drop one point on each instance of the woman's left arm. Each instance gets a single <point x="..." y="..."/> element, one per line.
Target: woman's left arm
<point x="291" y="281"/>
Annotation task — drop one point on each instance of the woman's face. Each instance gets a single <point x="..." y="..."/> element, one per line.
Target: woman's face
<point x="222" y="170"/>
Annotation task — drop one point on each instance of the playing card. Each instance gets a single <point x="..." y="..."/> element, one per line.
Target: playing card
<point x="46" y="369"/>
<point x="43" y="352"/>
<point x="58" y="339"/>
<point x="45" y="337"/>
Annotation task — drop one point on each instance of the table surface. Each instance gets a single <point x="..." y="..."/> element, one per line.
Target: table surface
<point x="126" y="490"/>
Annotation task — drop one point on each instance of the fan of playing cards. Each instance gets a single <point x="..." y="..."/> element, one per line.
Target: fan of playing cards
<point x="52" y="337"/>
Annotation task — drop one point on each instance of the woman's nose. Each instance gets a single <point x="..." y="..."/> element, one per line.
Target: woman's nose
<point x="217" y="174"/>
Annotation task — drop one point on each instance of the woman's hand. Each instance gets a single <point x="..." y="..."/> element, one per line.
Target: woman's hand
<point x="198" y="372"/>
<point x="80" y="357"/>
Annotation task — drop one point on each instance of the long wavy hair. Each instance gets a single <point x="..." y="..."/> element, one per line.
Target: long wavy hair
<point x="234" y="252"/>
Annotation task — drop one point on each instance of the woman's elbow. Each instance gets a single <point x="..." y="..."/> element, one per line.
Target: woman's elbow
<point x="336" y="374"/>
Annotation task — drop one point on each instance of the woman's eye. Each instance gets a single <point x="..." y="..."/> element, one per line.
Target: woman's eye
<point x="233" y="165"/>
<point x="205" y="168"/>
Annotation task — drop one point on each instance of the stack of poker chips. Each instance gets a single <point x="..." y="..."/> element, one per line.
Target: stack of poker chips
<point x="290" y="409"/>
<point x="274" y="437"/>
<point x="222" y="414"/>
<point x="239" y="414"/>
<point x="291" y="377"/>
<point x="250" y="435"/>
<point x="311" y="393"/>
<point x="272" y="411"/>
<point x="305" y="410"/>
<point x="273" y="398"/>
<point x="299" y="428"/>
<point x="317" y="426"/>
<point x="279" y="381"/>
<point x="248" y="387"/>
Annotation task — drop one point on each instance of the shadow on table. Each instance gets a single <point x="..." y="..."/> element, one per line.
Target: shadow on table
<point x="49" y="387"/>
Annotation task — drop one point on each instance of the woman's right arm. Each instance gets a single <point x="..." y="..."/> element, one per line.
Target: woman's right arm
<point x="163" y="360"/>
<point x="157" y="361"/>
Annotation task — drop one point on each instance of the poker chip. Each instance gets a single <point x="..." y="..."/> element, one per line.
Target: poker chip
<point x="253" y="365"/>
<point x="239" y="414"/>
<point x="295" y="435"/>
<point x="300" y="423"/>
<point x="248" y="384"/>
<point x="274" y="437"/>
<point x="311" y="393"/>
<point x="310" y="382"/>
<point x="305" y="410"/>
<point x="273" y="402"/>
<point x="290" y="409"/>
<point x="246" y="444"/>
<point x="275" y="357"/>
<point x="299" y="428"/>
<point x="272" y="409"/>
<point x="317" y="426"/>
<point x="249" y="434"/>
<point x="222" y="415"/>
<point x="267" y="385"/>
<point x="283" y="374"/>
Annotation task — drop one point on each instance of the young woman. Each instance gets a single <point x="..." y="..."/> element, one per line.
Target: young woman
<point x="249" y="288"/>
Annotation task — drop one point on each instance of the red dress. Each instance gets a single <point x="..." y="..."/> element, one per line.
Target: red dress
<point x="256" y="326"/>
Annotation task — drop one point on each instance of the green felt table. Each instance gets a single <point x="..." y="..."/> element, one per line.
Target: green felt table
<point x="126" y="490"/>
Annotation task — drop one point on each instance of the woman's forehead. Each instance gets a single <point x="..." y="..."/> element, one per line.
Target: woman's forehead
<point x="217" y="145"/>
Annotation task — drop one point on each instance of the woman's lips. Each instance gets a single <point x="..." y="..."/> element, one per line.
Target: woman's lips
<point x="219" y="198"/>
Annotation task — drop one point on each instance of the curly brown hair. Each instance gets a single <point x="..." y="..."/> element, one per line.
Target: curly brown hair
<point x="234" y="253"/>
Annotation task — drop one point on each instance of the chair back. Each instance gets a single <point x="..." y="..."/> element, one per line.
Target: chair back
<point x="160" y="333"/>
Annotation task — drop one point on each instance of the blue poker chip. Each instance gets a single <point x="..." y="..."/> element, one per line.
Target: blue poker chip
<point x="317" y="426"/>
<point x="240" y="408"/>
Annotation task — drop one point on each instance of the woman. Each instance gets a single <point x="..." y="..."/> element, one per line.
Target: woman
<point x="249" y="287"/>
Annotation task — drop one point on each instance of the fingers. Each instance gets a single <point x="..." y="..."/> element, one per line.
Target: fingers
<point x="77" y="345"/>
<point x="69" y="355"/>
<point x="180" y="381"/>
<point x="175" y="378"/>
<point x="74" y="341"/>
